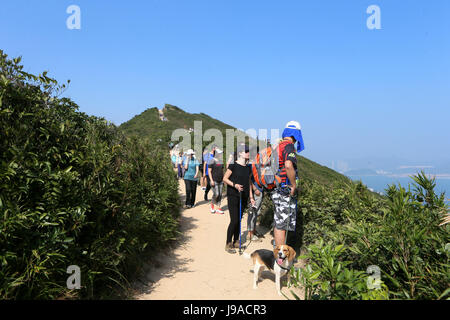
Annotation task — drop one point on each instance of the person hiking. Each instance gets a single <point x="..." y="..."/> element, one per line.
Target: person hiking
<point x="179" y="165"/>
<point x="254" y="211"/>
<point x="202" y="163"/>
<point x="206" y="159"/>
<point x="237" y="177"/>
<point x="185" y="157"/>
<point x="173" y="157"/>
<point x="191" y="178"/>
<point x="215" y="176"/>
<point x="285" y="205"/>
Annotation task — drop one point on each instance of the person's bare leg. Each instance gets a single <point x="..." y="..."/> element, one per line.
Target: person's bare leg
<point x="279" y="236"/>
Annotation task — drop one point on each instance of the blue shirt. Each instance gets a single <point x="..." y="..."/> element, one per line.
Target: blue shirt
<point x="190" y="172"/>
<point x="207" y="158"/>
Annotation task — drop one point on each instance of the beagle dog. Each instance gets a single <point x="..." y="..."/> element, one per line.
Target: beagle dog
<point x="280" y="260"/>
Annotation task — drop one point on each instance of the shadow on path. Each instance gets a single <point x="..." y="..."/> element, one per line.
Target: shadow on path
<point x="167" y="263"/>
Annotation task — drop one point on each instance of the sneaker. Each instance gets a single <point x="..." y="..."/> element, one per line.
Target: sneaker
<point x="255" y="238"/>
<point x="212" y="208"/>
<point x="219" y="211"/>
<point x="229" y="248"/>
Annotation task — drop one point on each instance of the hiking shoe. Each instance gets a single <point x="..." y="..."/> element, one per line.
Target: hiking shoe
<point x="219" y="211"/>
<point x="212" y="208"/>
<point x="229" y="248"/>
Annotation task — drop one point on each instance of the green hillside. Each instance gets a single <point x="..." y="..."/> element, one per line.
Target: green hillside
<point x="148" y="125"/>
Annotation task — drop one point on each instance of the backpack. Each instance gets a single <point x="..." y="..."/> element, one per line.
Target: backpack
<point x="265" y="168"/>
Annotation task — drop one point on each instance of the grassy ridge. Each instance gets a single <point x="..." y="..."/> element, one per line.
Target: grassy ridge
<point x="147" y="125"/>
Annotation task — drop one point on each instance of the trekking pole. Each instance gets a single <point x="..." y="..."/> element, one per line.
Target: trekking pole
<point x="240" y="217"/>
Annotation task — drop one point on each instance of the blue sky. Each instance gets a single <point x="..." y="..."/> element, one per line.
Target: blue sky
<point x="256" y="64"/>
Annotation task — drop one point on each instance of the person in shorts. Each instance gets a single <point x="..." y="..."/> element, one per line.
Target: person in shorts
<point x="285" y="204"/>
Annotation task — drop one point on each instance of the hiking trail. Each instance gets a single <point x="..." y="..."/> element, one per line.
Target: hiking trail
<point x="197" y="267"/>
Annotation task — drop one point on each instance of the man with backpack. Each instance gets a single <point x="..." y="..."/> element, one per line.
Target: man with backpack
<point x="275" y="169"/>
<point x="283" y="197"/>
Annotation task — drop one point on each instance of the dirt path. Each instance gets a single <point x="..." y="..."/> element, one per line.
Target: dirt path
<point x="199" y="267"/>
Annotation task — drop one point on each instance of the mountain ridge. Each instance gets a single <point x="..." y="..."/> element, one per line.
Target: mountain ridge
<point x="148" y="125"/>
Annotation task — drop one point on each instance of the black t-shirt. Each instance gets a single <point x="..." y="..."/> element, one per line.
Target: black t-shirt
<point x="287" y="153"/>
<point x="216" y="170"/>
<point x="240" y="175"/>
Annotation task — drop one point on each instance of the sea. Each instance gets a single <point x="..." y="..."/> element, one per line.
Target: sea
<point x="379" y="183"/>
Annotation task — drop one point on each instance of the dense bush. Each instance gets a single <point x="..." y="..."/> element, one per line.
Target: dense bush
<point x="399" y="234"/>
<point x="73" y="191"/>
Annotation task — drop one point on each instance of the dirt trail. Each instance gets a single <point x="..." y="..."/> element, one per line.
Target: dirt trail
<point x="198" y="267"/>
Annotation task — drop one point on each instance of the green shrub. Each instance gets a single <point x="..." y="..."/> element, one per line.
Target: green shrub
<point x="400" y="234"/>
<point x="326" y="277"/>
<point x="73" y="191"/>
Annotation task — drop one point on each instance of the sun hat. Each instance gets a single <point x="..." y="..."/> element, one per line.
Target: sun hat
<point x="190" y="151"/>
<point x="219" y="150"/>
<point x="293" y="129"/>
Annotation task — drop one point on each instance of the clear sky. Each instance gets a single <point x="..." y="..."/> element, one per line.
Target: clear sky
<point x="255" y="64"/>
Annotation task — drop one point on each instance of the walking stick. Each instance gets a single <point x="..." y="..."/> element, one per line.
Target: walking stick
<point x="240" y="217"/>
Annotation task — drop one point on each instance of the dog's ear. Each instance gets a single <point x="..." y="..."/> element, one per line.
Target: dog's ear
<point x="292" y="254"/>
<point x="275" y="251"/>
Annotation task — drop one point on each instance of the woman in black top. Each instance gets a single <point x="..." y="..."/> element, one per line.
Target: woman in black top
<point x="237" y="177"/>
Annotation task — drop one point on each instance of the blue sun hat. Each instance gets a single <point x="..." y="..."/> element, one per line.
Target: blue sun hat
<point x="293" y="129"/>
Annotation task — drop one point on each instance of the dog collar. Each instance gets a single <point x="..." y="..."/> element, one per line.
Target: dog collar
<point x="284" y="268"/>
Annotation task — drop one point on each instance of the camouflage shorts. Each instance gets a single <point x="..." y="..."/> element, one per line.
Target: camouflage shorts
<point x="285" y="210"/>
